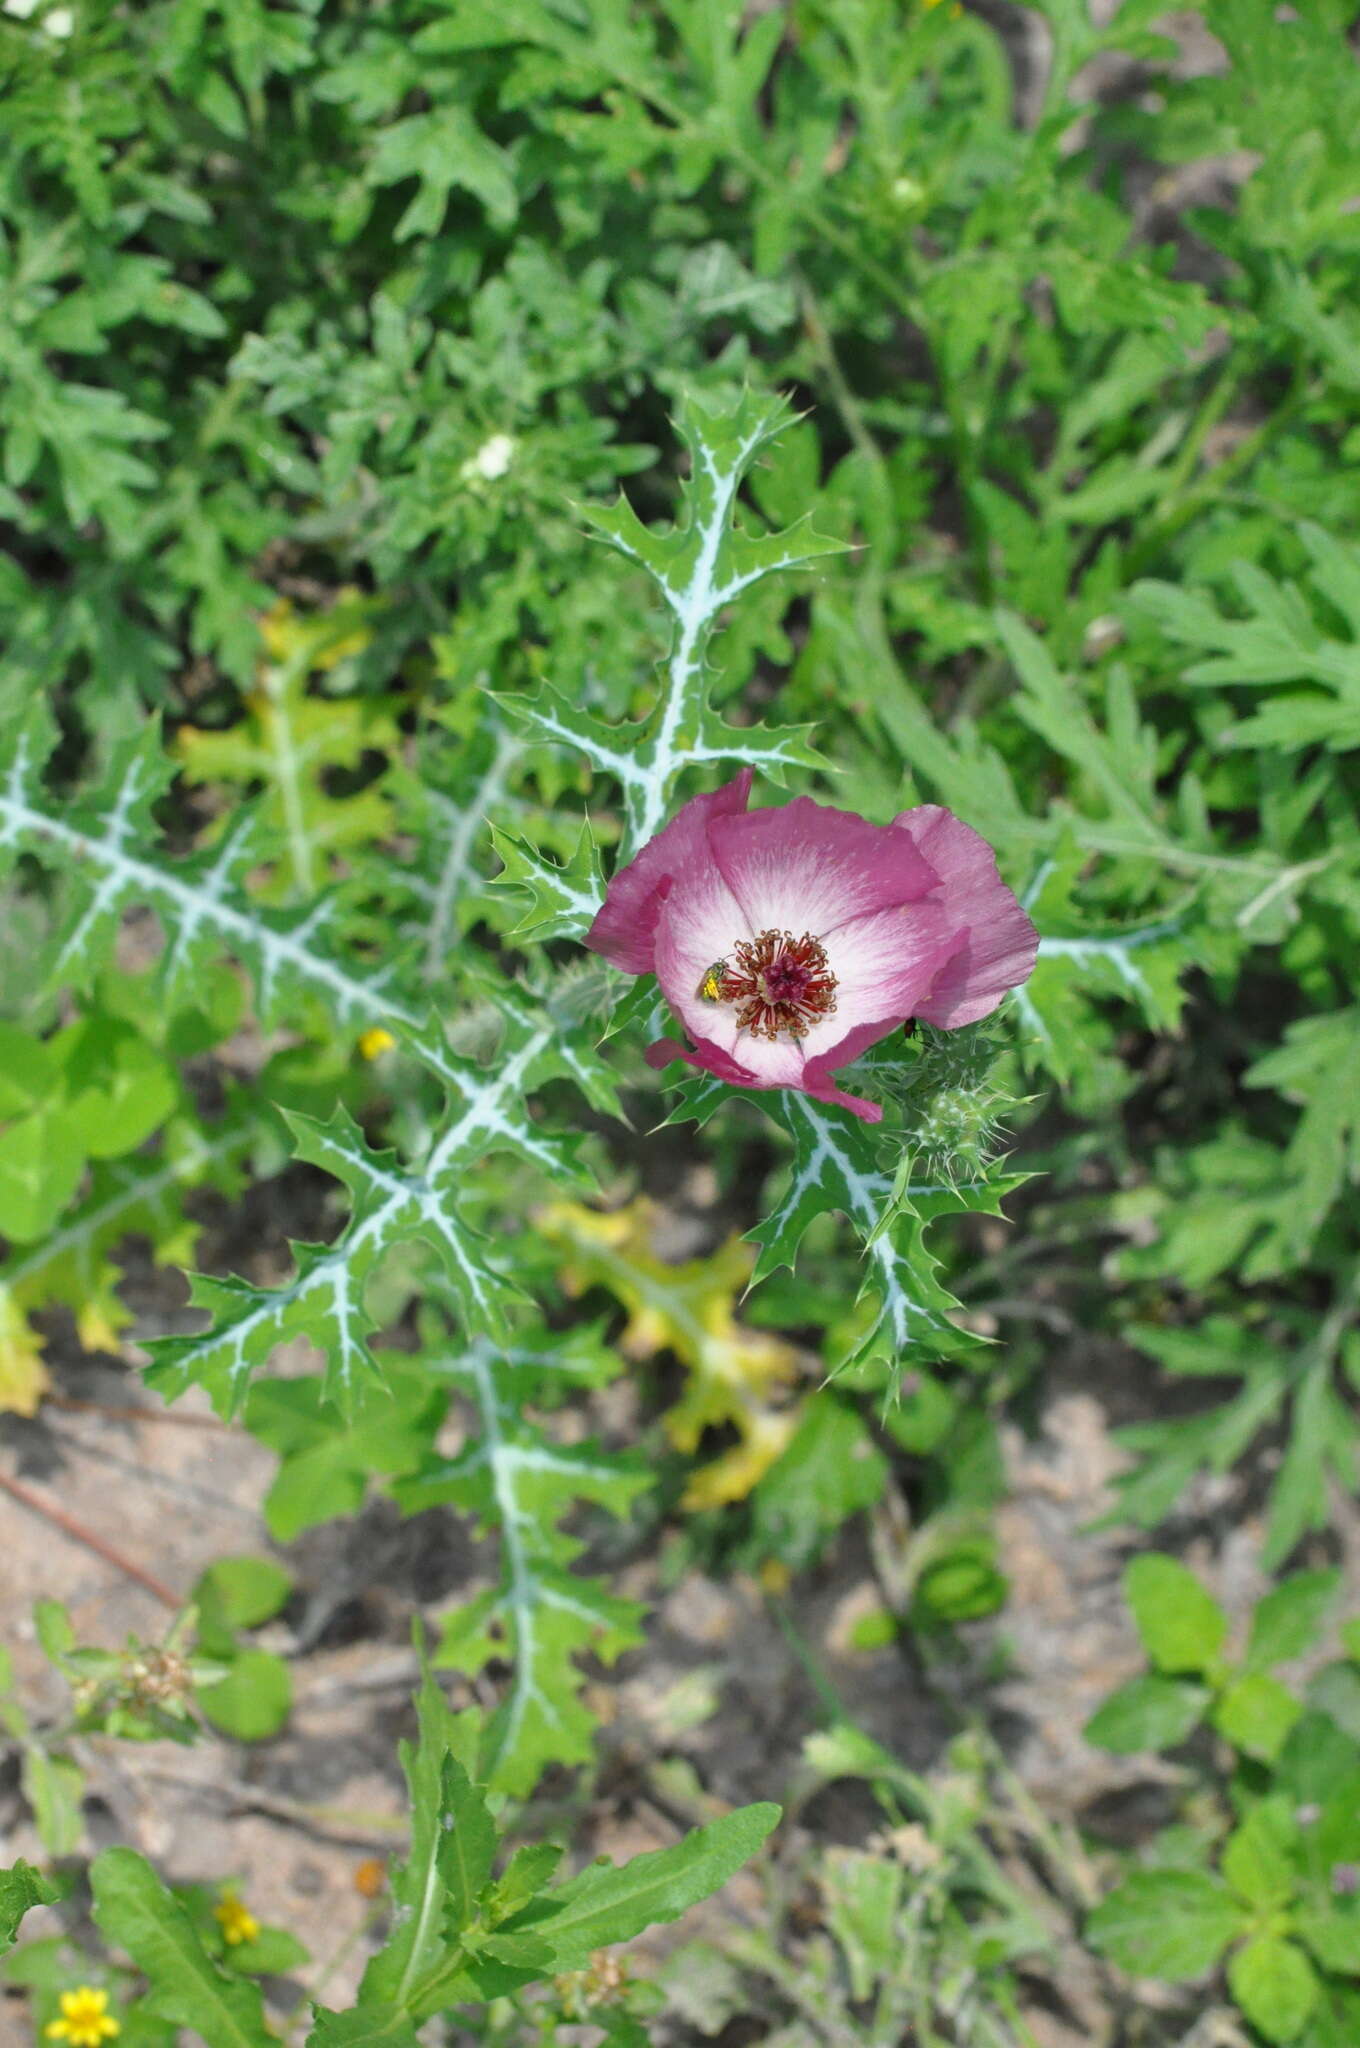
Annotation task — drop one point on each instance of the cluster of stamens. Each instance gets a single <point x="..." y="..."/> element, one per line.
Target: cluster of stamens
<point x="779" y="984"/>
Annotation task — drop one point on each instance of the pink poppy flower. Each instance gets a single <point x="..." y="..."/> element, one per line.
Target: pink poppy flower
<point x="788" y="940"/>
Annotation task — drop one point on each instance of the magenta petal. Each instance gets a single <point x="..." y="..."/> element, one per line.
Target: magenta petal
<point x="996" y="942"/>
<point x="625" y="927"/>
<point x="804" y="867"/>
<point x="711" y="1059"/>
<point x="705" y="1054"/>
<point x="818" y="1076"/>
<point x="824" y="1089"/>
<point x="886" y="965"/>
<point x="818" y="1071"/>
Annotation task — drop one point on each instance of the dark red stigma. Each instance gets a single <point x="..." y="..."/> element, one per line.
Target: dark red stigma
<point x="780" y="984"/>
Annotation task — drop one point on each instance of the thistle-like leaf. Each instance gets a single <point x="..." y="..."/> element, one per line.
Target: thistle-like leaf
<point x="700" y="565"/>
<point x="561" y="897"/>
<point x="901" y="1311"/>
<point x="95" y="846"/>
<point x="325" y="1301"/>
<point x="542" y="1615"/>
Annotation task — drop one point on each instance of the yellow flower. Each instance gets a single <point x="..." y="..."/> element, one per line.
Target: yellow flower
<point x="85" y="2019"/>
<point x="374" y="1041"/>
<point x="236" y="1921"/>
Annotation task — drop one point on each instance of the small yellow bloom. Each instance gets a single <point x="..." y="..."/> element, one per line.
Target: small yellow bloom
<point x="374" y="1041"/>
<point x="236" y="1921"/>
<point x="86" y="2021"/>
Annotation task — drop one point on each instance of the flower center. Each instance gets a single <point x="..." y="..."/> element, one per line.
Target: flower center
<point x="778" y="983"/>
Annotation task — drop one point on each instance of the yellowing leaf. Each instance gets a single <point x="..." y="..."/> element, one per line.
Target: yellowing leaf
<point x="319" y="640"/>
<point x="765" y="1437"/>
<point x="98" y="1323"/>
<point x="23" y="1376"/>
<point x="291" y="742"/>
<point x="688" y="1308"/>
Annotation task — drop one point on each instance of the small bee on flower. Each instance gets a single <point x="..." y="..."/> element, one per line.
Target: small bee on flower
<point x="86" y="2021"/>
<point x="710" y="988"/>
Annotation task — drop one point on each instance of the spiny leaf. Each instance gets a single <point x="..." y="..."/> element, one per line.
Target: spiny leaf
<point x="700" y="566"/>
<point x="1139" y="963"/>
<point x="325" y="1302"/>
<point x="447" y="802"/>
<point x="902" y="1308"/>
<point x="514" y="1475"/>
<point x="198" y="902"/>
<point x="563" y="897"/>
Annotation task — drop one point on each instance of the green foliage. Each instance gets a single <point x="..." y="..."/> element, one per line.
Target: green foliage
<point x="1258" y="1883"/>
<point x="543" y="1616"/>
<point x="1170" y="1923"/>
<point x="135" y="1912"/>
<point x="77" y="1176"/>
<point x="914" y="1933"/>
<point x="1184" y="1632"/>
<point x="328" y="332"/>
<point x="255" y="1692"/>
<point x="21" y="1888"/>
<point x="463" y="1934"/>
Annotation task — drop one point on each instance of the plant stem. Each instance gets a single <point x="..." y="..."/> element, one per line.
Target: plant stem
<point x="78" y="1533"/>
<point x="130" y="1412"/>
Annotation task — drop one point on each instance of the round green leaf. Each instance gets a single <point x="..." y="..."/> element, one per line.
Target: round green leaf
<point x="253" y="1700"/>
<point x="1256" y="1715"/>
<point x="120" y="1088"/>
<point x="1332" y="1932"/>
<point x="1182" y="1628"/>
<point x="1166" y="1923"/>
<point x="1259" y="1860"/>
<point x="1148" y="1713"/>
<point x="1275" y="1985"/>
<point x="1288" y="1619"/>
<point x="26" y="1070"/>
<point x="249" y="1590"/>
